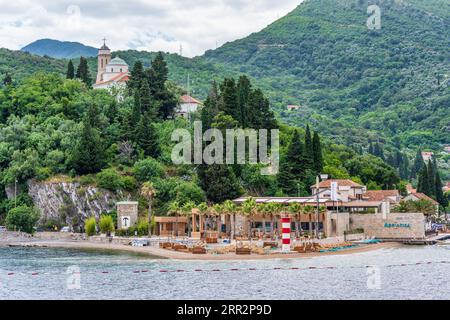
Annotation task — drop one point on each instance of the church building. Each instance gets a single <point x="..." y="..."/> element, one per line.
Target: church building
<point x="112" y="73"/>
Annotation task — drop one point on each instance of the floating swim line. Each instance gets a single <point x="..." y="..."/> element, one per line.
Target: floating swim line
<point x="105" y="272"/>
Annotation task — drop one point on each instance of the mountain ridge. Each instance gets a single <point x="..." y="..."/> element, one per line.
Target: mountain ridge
<point x="59" y="49"/>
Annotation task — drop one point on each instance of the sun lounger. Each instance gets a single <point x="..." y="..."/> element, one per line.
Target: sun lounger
<point x="243" y="251"/>
<point x="198" y="250"/>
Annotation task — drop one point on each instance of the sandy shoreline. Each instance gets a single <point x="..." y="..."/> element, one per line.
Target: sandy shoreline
<point x="156" y="252"/>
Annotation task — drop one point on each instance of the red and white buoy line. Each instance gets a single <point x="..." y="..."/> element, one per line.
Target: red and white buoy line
<point x="163" y="271"/>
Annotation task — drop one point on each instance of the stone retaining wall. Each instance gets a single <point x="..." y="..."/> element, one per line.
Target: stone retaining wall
<point x="392" y="226"/>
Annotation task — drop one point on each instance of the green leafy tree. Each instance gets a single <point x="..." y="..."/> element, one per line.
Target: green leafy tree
<point x="90" y="226"/>
<point x="219" y="183"/>
<point x="22" y="218"/>
<point x="7" y="80"/>
<point x="106" y="224"/>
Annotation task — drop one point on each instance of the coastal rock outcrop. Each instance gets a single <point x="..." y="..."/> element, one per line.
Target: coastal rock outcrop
<point x="70" y="203"/>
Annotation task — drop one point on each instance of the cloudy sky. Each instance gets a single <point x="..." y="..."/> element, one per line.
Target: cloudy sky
<point x="196" y="25"/>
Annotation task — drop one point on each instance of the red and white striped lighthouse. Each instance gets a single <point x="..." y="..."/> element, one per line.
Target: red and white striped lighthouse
<point x="286" y="234"/>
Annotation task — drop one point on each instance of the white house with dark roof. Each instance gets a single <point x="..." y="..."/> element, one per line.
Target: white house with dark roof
<point x="186" y="106"/>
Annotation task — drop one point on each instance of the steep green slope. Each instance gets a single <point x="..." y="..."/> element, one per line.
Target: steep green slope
<point x="353" y="82"/>
<point x="59" y="49"/>
<point x="22" y="64"/>
<point x="355" y="85"/>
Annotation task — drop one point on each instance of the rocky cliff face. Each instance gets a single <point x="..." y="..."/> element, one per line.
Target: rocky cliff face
<point x="70" y="203"/>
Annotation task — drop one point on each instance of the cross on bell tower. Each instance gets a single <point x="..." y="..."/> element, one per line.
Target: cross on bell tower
<point x="104" y="57"/>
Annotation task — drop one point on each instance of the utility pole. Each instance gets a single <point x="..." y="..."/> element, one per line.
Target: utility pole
<point x="318" y="178"/>
<point x="318" y="206"/>
<point x="15" y="193"/>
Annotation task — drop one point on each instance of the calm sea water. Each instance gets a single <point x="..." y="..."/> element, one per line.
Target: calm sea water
<point x="42" y="274"/>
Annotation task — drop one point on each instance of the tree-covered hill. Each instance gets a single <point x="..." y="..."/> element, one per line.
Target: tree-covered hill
<point x="59" y="49"/>
<point x="22" y="64"/>
<point x="355" y="83"/>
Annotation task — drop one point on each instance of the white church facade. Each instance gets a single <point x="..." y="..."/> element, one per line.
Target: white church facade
<point x="115" y="73"/>
<point x="112" y="73"/>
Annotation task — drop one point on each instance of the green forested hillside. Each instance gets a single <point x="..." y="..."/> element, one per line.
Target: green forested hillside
<point x="357" y="84"/>
<point x="22" y="64"/>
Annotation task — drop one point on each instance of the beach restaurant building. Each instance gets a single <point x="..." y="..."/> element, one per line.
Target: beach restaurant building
<point x="346" y="208"/>
<point x="337" y="208"/>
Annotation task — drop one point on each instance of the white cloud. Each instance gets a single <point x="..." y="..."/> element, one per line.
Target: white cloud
<point x="153" y="25"/>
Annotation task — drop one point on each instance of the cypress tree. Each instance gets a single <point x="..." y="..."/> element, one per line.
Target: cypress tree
<point x="135" y="115"/>
<point x="440" y="197"/>
<point x="259" y="115"/>
<point x="228" y="98"/>
<point x="211" y="107"/>
<point x="309" y="152"/>
<point x="292" y="169"/>
<point x="157" y="77"/>
<point x="83" y="72"/>
<point x="417" y="165"/>
<point x="136" y="76"/>
<point x="89" y="153"/>
<point x="70" y="70"/>
<point x="145" y="97"/>
<point x="243" y="96"/>
<point x="423" y="181"/>
<point x="159" y="74"/>
<point x="317" y="153"/>
<point x="112" y="111"/>
<point x="146" y="136"/>
<point x="431" y="175"/>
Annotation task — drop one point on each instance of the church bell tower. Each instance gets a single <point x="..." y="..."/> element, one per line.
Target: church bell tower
<point x="104" y="57"/>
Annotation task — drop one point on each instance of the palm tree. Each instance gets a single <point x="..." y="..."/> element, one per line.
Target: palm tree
<point x="174" y="210"/>
<point x="309" y="210"/>
<point x="204" y="210"/>
<point x="272" y="209"/>
<point x="248" y="209"/>
<point x="230" y="209"/>
<point x="148" y="192"/>
<point x="262" y="209"/>
<point x="187" y="212"/>
<point x="218" y="210"/>
<point x="296" y="209"/>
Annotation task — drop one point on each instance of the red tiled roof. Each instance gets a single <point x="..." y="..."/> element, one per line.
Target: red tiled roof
<point x="423" y="196"/>
<point x="380" y="195"/>
<point x="189" y="99"/>
<point x="341" y="182"/>
<point x="119" y="78"/>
